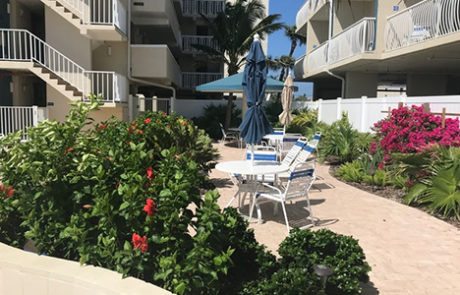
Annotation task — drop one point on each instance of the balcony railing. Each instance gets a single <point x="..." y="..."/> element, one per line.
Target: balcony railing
<point x="423" y="21"/>
<point x="192" y="79"/>
<point x="317" y="58"/>
<point x="301" y="18"/>
<point x="299" y="68"/>
<point x="356" y="39"/>
<point x="209" y="8"/>
<point x="99" y="12"/>
<point x="17" y="118"/>
<point x="188" y="42"/>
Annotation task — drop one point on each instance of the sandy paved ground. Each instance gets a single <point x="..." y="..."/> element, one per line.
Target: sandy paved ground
<point x="410" y="252"/>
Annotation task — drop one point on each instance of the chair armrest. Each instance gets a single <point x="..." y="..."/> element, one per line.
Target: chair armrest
<point x="273" y="188"/>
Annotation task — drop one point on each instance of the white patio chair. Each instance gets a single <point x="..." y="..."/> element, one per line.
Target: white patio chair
<point x="315" y="140"/>
<point x="289" y="140"/>
<point x="298" y="186"/>
<point x="229" y="135"/>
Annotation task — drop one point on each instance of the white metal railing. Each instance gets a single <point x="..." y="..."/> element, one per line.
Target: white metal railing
<point x="356" y="39"/>
<point x="299" y="69"/>
<point x="192" y="79"/>
<point x="21" y="45"/>
<point x="14" y="118"/>
<point x="99" y="12"/>
<point x="209" y="8"/>
<point x="302" y="15"/>
<point x="317" y="58"/>
<point x="426" y="20"/>
<point x="189" y="40"/>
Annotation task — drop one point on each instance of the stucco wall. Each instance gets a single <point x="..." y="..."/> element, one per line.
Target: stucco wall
<point x="113" y="59"/>
<point x="25" y="273"/>
<point x="67" y="39"/>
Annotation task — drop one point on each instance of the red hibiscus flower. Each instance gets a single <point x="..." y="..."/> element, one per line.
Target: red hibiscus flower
<point x="102" y="127"/>
<point x="147" y="121"/>
<point x="9" y="192"/>
<point x="140" y="243"/>
<point x="150" y="207"/>
<point x="149" y="173"/>
<point x="69" y="150"/>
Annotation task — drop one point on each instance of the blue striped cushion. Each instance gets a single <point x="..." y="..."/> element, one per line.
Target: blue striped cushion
<point x="261" y="157"/>
<point x="301" y="173"/>
<point x="309" y="148"/>
<point x="317" y="136"/>
<point x="300" y="143"/>
<point x="290" y="139"/>
<point x="278" y="132"/>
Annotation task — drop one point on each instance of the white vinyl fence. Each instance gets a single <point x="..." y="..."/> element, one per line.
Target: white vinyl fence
<point x="18" y="118"/>
<point x="365" y="112"/>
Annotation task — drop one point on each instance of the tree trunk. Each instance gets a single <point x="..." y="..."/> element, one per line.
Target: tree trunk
<point x="228" y="114"/>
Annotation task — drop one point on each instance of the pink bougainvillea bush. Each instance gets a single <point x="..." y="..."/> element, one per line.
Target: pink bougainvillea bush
<point x="411" y="130"/>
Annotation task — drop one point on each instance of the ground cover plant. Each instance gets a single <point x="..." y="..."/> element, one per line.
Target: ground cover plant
<point x="131" y="197"/>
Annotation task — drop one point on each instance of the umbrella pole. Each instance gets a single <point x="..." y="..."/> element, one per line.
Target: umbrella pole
<point x="252" y="154"/>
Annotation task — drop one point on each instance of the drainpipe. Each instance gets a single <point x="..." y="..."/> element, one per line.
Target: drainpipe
<point x="331" y="27"/>
<point x="142" y="81"/>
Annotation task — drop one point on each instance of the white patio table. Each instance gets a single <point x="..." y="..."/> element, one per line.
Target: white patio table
<point x="251" y="170"/>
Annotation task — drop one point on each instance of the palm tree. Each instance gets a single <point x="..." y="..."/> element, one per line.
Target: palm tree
<point x="233" y="31"/>
<point x="296" y="40"/>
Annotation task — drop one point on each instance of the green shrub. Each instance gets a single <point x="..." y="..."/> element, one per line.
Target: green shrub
<point x="342" y="143"/>
<point x="215" y="114"/>
<point x="351" y="172"/>
<point x="306" y="122"/>
<point x="273" y="109"/>
<point x="379" y="178"/>
<point x="304" y="249"/>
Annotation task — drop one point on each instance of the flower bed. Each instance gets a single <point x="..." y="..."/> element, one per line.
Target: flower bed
<point x="119" y="196"/>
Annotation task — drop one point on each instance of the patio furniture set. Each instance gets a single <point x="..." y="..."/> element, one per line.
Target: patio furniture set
<point x="277" y="172"/>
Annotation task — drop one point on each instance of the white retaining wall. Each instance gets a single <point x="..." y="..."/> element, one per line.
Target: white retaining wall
<point x="365" y="112"/>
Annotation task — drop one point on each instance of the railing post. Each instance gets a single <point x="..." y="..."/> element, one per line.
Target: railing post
<point x="363" y="113"/>
<point x="364" y="36"/>
<point x="31" y="47"/>
<point x="34" y="116"/>
<point x="173" y="104"/>
<point x="339" y="108"/>
<point x="320" y="109"/>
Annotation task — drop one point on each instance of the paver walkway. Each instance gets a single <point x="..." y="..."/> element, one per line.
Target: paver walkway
<point x="410" y="252"/>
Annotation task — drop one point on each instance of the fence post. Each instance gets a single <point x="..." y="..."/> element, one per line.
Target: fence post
<point x="363" y="113"/>
<point x="320" y="109"/>
<point x="339" y="108"/>
<point x="443" y="116"/>
<point x="173" y="104"/>
<point x="35" y="115"/>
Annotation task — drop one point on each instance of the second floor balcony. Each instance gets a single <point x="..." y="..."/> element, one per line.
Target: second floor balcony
<point x="424" y="21"/>
<point x="208" y="8"/>
<point x="357" y="39"/>
<point x="189" y="42"/>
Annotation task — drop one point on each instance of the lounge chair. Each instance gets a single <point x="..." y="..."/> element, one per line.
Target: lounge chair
<point x="229" y="135"/>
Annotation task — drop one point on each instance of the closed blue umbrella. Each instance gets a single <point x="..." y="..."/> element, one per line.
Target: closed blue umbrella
<point x="255" y="124"/>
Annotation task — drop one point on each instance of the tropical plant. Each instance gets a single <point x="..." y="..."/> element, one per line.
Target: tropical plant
<point x="233" y="31"/>
<point x="305" y="121"/>
<point x="439" y="187"/>
<point x="342" y="143"/>
<point x="351" y="172"/>
<point x="213" y="115"/>
<point x="296" y="39"/>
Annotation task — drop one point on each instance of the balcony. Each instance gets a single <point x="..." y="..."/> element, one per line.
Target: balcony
<point x="357" y="39"/>
<point x="208" y="8"/>
<point x="300" y="67"/>
<point x="158" y="14"/>
<point x="317" y="10"/>
<point x="301" y="19"/>
<point x="192" y="79"/>
<point x="155" y="62"/>
<point x="189" y="40"/>
<point x="424" y="21"/>
<point x="317" y="58"/>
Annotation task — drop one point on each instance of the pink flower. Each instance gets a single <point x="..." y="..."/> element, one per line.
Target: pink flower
<point x="147" y="121"/>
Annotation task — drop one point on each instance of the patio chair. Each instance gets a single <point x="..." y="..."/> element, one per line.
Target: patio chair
<point x="298" y="186"/>
<point x="289" y="140"/>
<point x="232" y="136"/>
<point x="294" y="151"/>
<point x="315" y="140"/>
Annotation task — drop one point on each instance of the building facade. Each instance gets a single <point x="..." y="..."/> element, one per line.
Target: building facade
<point x="54" y="52"/>
<point x="354" y="49"/>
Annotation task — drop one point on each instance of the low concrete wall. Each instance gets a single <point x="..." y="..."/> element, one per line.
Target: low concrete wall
<point x="24" y="273"/>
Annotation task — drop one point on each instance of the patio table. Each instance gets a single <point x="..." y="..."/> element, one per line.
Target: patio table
<point x="251" y="170"/>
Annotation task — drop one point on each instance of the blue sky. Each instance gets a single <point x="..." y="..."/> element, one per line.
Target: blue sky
<point x="278" y="44"/>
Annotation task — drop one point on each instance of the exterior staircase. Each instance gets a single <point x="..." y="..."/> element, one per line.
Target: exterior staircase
<point x="98" y="19"/>
<point x="21" y="50"/>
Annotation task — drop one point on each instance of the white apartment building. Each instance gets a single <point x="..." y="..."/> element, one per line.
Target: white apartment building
<point x="352" y="50"/>
<point x="54" y="52"/>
